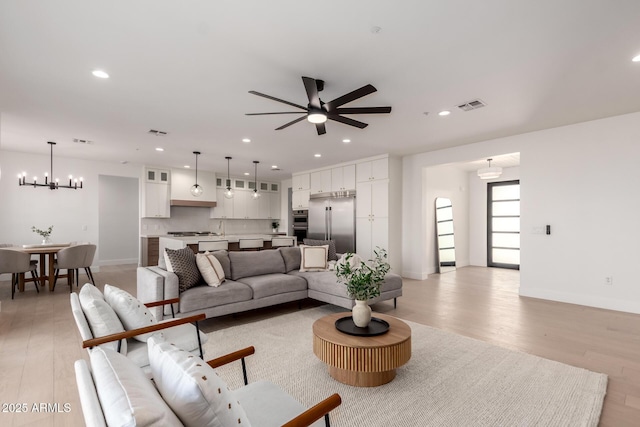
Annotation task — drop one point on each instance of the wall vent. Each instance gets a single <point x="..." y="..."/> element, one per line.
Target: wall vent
<point x="472" y="105"/>
<point x="82" y="141"/>
<point x="157" y="132"/>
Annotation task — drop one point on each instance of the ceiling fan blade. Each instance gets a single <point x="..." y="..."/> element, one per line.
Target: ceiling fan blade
<point x="312" y="92"/>
<point x="281" y="112"/>
<point x="351" y="96"/>
<point x="362" y="110"/>
<point x="320" y="127"/>
<point x="291" y="122"/>
<point x="253" y="92"/>
<point x="347" y="121"/>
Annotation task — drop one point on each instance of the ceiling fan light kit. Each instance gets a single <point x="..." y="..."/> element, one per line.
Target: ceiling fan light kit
<point x="490" y="172"/>
<point x="196" y="190"/>
<point x="318" y="112"/>
<point x="52" y="185"/>
<point x="228" y="192"/>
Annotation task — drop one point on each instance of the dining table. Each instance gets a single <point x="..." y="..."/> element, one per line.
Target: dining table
<point x="47" y="252"/>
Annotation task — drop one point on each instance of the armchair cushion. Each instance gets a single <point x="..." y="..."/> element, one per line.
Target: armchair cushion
<point x="210" y="269"/>
<point x="101" y="317"/>
<point x="126" y="395"/>
<point x="132" y="313"/>
<point x="182" y="262"/>
<point x="192" y="388"/>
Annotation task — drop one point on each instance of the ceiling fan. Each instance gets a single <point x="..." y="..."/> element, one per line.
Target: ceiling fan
<point x="318" y="111"/>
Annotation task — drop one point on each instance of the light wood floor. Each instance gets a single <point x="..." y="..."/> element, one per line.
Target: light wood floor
<point x="39" y="341"/>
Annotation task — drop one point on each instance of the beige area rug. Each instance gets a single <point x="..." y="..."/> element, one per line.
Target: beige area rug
<point x="450" y="380"/>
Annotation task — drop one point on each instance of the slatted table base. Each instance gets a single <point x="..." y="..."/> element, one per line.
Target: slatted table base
<point x="362" y="361"/>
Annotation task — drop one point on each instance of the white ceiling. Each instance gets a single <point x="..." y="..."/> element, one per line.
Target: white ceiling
<point x="186" y="68"/>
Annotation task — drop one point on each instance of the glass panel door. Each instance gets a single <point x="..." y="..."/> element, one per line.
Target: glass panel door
<point x="503" y="224"/>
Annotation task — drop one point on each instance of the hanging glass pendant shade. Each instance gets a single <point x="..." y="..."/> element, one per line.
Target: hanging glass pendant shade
<point x="196" y="189"/>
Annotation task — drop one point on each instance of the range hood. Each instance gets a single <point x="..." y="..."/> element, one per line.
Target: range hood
<point x="193" y="203"/>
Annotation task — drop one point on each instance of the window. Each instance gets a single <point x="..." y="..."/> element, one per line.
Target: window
<point x="503" y="224"/>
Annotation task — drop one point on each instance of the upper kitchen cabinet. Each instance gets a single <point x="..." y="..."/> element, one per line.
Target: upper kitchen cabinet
<point x="320" y="181"/>
<point x="155" y="194"/>
<point x="224" y="206"/>
<point x="343" y="178"/>
<point x="300" y="182"/>
<point x="300" y="199"/>
<point x="181" y="182"/>
<point x="372" y="170"/>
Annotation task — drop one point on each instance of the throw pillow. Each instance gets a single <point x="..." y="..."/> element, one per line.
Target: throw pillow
<point x="126" y="395"/>
<point x="193" y="390"/>
<point x="332" y="247"/>
<point x="313" y="258"/>
<point x="182" y="262"/>
<point x="210" y="269"/>
<point x="101" y="318"/>
<point x="132" y="313"/>
<point x="291" y="258"/>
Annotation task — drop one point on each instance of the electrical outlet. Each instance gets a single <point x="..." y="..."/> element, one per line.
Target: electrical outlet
<point x="608" y="280"/>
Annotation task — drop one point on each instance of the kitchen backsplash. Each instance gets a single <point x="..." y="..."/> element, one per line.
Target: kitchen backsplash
<point x="197" y="219"/>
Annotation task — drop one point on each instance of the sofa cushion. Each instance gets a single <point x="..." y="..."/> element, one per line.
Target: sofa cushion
<point x="210" y="269"/>
<point x="291" y="257"/>
<point x="182" y="262"/>
<point x="332" y="246"/>
<point x="203" y="297"/>
<point x="247" y="264"/>
<point x="192" y="388"/>
<point x="132" y="313"/>
<point x="313" y="258"/>
<point x="102" y="319"/>
<point x="223" y="257"/>
<point x="126" y="395"/>
<point x="326" y="281"/>
<point x="267" y="285"/>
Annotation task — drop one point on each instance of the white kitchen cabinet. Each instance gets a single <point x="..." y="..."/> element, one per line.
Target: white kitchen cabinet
<point x="343" y="178"/>
<point x="253" y="207"/>
<point x="371" y="234"/>
<point x="372" y="217"/>
<point x="372" y="170"/>
<point x="156" y="201"/>
<point x="223" y="182"/>
<point x="300" y="182"/>
<point x="240" y="204"/>
<point x="241" y="184"/>
<point x="158" y="176"/>
<point x="320" y="181"/>
<point x="274" y="206"/>
<point x="183" y="179"/>
<point x="269" y="206"/>
<point x="300" y="199"/>
<point x="224" y="206"/>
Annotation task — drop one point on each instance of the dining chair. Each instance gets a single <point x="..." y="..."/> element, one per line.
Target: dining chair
<point x="17" y="263"/>
<point x="250" y="244"/>
<point x="73" y="258"/>
<point x="279" y="242"/>
<point x="213" y="246"/>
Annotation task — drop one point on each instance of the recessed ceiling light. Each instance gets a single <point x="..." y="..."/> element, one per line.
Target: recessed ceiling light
<point x="636" y="58"/>
<point x="101" y="74"/>
<point x="246" y="140"/>
<point x="187" y="167"/>
<point x="346" y="141"/>
<point x="246" y="173"/>
<point x="274" y="166"/>
<point x="159" y="149"/>
<point x="444" y="113"/>
<point x="317" y="155"/>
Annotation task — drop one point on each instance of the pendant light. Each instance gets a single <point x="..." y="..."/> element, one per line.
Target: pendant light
<point x="53" y="185"/>
<point x="490" y="172"/>
<point x="255" y="194"/>
<point x="196" y="190"/>
<point x="228" y="192"/>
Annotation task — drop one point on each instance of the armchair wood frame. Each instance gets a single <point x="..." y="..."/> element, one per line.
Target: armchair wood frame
<point x="306" y="418"/>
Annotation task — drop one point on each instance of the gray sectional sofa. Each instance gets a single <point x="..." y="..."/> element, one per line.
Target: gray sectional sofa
<point x="253" y="280"/>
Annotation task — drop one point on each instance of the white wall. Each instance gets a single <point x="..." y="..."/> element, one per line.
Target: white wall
<point x="451" y="182"/>
<point x="581" y="180"/>
<point x="478" y="213"/>
<point x="69" y="211"/>
<point x="118" y="220"/>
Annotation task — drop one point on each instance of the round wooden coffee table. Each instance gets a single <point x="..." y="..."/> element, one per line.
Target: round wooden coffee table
<point x="362" y="361"/>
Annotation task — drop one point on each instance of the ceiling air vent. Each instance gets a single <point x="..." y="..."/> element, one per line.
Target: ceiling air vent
<point x="472" y="105"/>
<point x="157" y="132"/>
<point x="82" y="141"/>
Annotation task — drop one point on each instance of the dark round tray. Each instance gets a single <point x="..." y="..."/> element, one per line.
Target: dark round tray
<point x="375" y="327"/>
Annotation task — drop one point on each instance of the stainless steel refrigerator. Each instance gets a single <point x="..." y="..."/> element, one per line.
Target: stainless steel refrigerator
<point x="333" y="218"/>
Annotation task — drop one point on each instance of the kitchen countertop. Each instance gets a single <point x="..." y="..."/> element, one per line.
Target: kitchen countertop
<point x="232" y="238"/>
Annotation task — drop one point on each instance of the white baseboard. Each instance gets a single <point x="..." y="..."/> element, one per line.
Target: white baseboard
<point x="118" y="261"/>
<point x="587" y="300"/>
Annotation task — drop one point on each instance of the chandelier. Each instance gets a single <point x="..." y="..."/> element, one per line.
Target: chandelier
<point x="53" y="184"/>
<point x="490" y="172"/>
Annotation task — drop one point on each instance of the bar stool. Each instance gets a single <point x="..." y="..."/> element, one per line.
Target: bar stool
<point x="217" y="245"/>
<point x="17" y="263"/>
<point x="250" y="244"/>
<point x="279" y="242"/>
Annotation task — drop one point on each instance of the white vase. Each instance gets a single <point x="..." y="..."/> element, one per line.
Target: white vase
<point x="361" y="313"/>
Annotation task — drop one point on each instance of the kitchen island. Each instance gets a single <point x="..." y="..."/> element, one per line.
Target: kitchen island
<point x="179" y="242"/>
